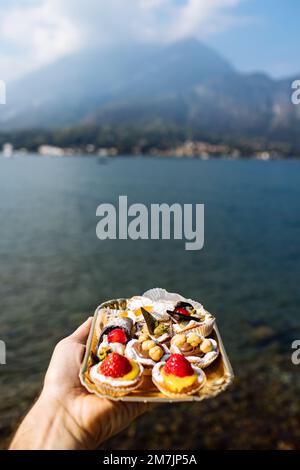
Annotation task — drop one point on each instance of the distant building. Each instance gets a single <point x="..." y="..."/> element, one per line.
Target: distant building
<point x="50" y="151"/>
<point x="263" y="155"/>
<point x="7" y="150"/>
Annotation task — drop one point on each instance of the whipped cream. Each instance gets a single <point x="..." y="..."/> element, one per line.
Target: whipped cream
<point x="115" y="382"/>
<point x="160" y="310"/>
<point x="114" y="347"/>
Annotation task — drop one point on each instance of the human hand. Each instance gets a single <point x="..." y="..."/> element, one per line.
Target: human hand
<point x="66" y="415"/>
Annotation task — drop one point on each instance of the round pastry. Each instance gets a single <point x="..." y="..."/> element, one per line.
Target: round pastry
<point x="198" y="350"/>
<point x="177" y="377"/>
<point x="146" y="352"/>
<point x="186" y="317"/>
<point x="117" y="375"/>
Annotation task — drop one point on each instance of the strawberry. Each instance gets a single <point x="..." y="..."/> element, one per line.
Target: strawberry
<point x="182" y="310"/>
<point x="115" y="366"/>
<point x="178" y="365"/>
<point x="117" y="335"/>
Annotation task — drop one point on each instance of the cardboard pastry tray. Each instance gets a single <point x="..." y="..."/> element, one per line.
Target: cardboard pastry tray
<point x="219" y="375"/>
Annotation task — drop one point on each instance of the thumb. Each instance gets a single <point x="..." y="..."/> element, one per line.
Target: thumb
<point x="81" y="334"/>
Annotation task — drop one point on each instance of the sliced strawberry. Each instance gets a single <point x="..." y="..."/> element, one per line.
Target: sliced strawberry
<point x="178" y="365"/>
<point x="182" y="310"/>
<point x="115" y="366"/>
<point x="117" y="335"/>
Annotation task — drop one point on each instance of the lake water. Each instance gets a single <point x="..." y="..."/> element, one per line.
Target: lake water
<point x="54" y="271"/>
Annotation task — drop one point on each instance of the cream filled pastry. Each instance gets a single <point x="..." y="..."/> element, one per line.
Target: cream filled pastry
<point x="147" y="352"/>
<point x="197" y="349"/>
<point x="187" y="317"/>
<point x="114" y="341"/>
<point x="177" y="377"/>
<point x="126" y="324"/>
<point x="114" y="336"/>
<point x="116" y="375"/>
<point x="158" y="330"/>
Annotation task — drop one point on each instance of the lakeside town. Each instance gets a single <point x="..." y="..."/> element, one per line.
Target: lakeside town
<point x="188" y="149"/>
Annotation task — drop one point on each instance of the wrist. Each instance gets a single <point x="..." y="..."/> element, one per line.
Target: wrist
<point x="48" y="426"/>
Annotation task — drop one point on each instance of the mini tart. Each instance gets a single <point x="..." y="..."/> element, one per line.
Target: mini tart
<point x="134" y="351"/>
<point x="159" y="331"/>
<point x="177" y="387"/>
<point x="134" y="307"/>
<point x="194" y="354"/>
<point x="204" y="327"/>
<point x="117" y="387"/>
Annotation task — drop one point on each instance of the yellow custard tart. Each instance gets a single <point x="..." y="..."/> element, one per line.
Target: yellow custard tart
<point x="117" y="375"/>
<point x="177" y="377"/>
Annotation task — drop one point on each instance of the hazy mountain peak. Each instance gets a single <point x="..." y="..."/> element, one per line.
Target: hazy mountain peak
<point x="187" y="83"/>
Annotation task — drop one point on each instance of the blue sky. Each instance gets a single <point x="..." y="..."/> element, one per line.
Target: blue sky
<point x="269" y="41"/>
<point x="255" y="35"/>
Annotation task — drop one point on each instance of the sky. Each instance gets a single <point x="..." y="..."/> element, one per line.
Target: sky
<point x="255" y="35"/>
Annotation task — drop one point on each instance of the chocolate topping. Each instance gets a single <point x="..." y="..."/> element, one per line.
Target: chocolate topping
<point x="186" y="347"/>
<point x="187" y="350"/>
<point x="139" y="350"/>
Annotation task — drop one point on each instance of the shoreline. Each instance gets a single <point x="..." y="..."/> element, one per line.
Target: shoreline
<point x="104" y="158"/>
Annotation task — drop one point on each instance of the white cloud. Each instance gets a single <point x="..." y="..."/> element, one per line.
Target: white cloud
<point x="36" y="32"/>
<point x="199" y="18"/>
<point x="34" y="35"/>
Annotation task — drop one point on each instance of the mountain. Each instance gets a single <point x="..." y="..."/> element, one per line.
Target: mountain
<point x="186" y="84"/>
